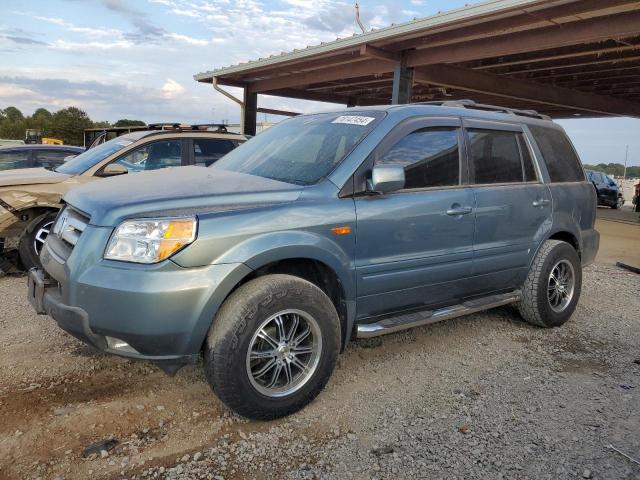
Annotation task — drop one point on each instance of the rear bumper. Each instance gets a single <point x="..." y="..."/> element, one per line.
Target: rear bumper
<point x="590" y="245"/>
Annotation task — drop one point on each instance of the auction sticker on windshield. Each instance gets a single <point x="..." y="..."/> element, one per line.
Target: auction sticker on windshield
<point x="354" y="120"/>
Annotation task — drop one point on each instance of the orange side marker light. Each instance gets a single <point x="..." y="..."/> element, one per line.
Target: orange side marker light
<point x="346" y="230"/>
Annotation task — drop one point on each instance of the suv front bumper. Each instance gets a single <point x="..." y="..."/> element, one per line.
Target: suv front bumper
<point x="44" y="296"/>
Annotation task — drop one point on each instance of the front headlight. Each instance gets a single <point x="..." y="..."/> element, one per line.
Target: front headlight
<point x="150" y="240"/>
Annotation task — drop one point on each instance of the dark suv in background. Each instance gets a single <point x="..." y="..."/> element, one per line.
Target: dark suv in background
<point x="34" y="156"/>
<point x="607" y="190"/>
<point x="357" y="223"/>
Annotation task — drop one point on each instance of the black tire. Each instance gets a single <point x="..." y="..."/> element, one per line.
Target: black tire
<point x="234" y="329"/>
<point x="535" y="306"/>
<point x="618" y="204"/>
<point x="6" y="266"/>
<point x="29" y="256"/>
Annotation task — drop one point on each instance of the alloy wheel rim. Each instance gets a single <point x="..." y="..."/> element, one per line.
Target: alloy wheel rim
<point x="41" y="237"/>
<point x="284" y="353"/>
<point x="561" y="286"/>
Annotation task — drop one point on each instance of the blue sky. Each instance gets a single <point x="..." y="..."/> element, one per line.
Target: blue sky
<point x="135" y="59"/>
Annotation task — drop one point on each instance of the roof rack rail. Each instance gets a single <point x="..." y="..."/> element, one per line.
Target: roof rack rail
<point x="206" y="127"/>
<point x="466" y="103"/>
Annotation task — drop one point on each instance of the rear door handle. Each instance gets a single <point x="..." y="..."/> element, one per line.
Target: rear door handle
<point x="457" y="211"/>
<point x="541" y="203"/>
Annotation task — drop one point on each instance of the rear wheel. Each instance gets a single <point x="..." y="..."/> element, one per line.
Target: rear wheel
<point x="272" y="346"/>
<point x="552" y="288"/>
<point x="32" y="241"/>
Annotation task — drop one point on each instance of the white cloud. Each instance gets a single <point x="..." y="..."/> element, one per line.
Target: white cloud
<point x="88" y="31"/>
<point x="11" y="91"/>
<point x="172" y="89"/>
<point x="90" y="46"/>
<point x="187" y="39"/>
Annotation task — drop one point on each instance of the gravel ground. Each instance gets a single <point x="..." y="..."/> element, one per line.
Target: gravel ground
<point x="485" y="396"/>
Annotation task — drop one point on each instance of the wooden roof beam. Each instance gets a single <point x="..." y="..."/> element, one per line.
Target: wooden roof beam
<point x="550" y="74"/>
<point x="584" y="31"/>
<point x="360" y="69"/>
<point x="569" y="64"/>
<point x="379" y="53"/>
<point x="486" y="83"/>
<point x="557" y="56"/>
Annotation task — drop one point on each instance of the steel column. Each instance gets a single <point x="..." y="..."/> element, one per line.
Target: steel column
<point x="249" y="112"/>
<point x="402" y="82"/>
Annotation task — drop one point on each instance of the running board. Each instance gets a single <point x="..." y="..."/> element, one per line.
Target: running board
<point x="418" y="319"/>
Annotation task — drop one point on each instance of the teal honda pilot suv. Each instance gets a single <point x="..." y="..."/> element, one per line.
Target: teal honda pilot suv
<point x="323" y="228"/>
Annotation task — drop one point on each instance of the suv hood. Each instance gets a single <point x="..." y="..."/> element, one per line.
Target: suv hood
<point x="30" y="176"/>
<point x="176" y="191"/>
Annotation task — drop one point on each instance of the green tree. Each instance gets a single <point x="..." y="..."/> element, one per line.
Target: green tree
<point x="13" y="114"/>
<point x="12" y="123"/>
<point x="101" y="124"/>
<point x="614" y="169"/>
<point x="69" y="125"/>
<point x="42" y="119"/>
<point x="125" y="122"/>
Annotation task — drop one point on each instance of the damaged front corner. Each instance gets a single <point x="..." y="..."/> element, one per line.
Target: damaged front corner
<point x="18" y="208"/>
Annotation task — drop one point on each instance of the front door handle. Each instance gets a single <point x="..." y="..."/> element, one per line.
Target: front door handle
<point x="456" y="211"/>
<point x="541" y="202"/>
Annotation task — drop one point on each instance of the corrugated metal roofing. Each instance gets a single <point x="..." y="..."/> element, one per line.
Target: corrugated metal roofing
<point x="413" y="26"/>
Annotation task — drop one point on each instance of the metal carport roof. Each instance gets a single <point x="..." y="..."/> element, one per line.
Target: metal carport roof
<point x="560" y="57"/>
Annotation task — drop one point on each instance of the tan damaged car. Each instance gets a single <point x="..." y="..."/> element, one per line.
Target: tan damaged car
<point x="30" y="198"/>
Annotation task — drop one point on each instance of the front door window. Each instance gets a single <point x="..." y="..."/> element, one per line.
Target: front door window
<point x="153" y="156"/>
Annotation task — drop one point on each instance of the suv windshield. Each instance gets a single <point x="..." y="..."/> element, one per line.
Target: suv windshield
<point x="301" y="150"/>
<point x="88" y="159"/>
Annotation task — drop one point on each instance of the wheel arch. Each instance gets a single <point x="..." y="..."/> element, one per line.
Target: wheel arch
<point x="23" y="220"/>
<point x="568" y="237"/>
<point x="335" y="283"/>
<point x="322" y="276"/>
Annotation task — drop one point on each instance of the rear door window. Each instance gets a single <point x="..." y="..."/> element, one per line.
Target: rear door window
<point x="206" y="151"/>
<point x="430" y="157"/>
<point x="13" y="159"/>
<point x="496" y="157"/>
<point x="559" y="155"/>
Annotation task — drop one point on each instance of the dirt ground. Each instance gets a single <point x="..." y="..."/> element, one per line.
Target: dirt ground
<point x="619" y="235"/>
<point x="484" y="396"/>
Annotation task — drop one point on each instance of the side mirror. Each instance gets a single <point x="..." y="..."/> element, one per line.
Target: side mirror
<point x="114" y="169"/>
<point x="386" y="179"/>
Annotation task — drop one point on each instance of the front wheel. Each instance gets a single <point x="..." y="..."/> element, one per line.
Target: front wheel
<point x="32" y="241"/>
<point x="272" y="346"/>
<point x="552" y="288"/>
<point x="619" y="203"/>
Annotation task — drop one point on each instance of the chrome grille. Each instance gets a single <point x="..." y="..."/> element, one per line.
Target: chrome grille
<point x="70" y="225"/>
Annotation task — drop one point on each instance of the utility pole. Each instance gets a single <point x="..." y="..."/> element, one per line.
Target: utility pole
<point x="626" y="157"/>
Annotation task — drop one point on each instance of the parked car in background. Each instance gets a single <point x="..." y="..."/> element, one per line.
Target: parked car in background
<point x="6" y="142"/>
<point x="608" y="191"/>
<point x="36" y="156"/>
<point x="359" y="222"/>
<point x="30" y="198"/>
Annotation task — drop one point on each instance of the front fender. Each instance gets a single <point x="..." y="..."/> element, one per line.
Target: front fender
<point x="262" y="250"/>
<point x="259" y="251"/>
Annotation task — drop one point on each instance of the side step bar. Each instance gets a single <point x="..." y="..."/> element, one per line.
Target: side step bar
<point x="418" y="319"/>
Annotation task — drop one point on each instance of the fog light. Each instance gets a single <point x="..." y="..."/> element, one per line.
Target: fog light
<point x="119" y="345"/>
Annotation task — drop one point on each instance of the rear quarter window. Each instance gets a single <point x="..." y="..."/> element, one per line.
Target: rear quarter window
<point x="560" y="158"/>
